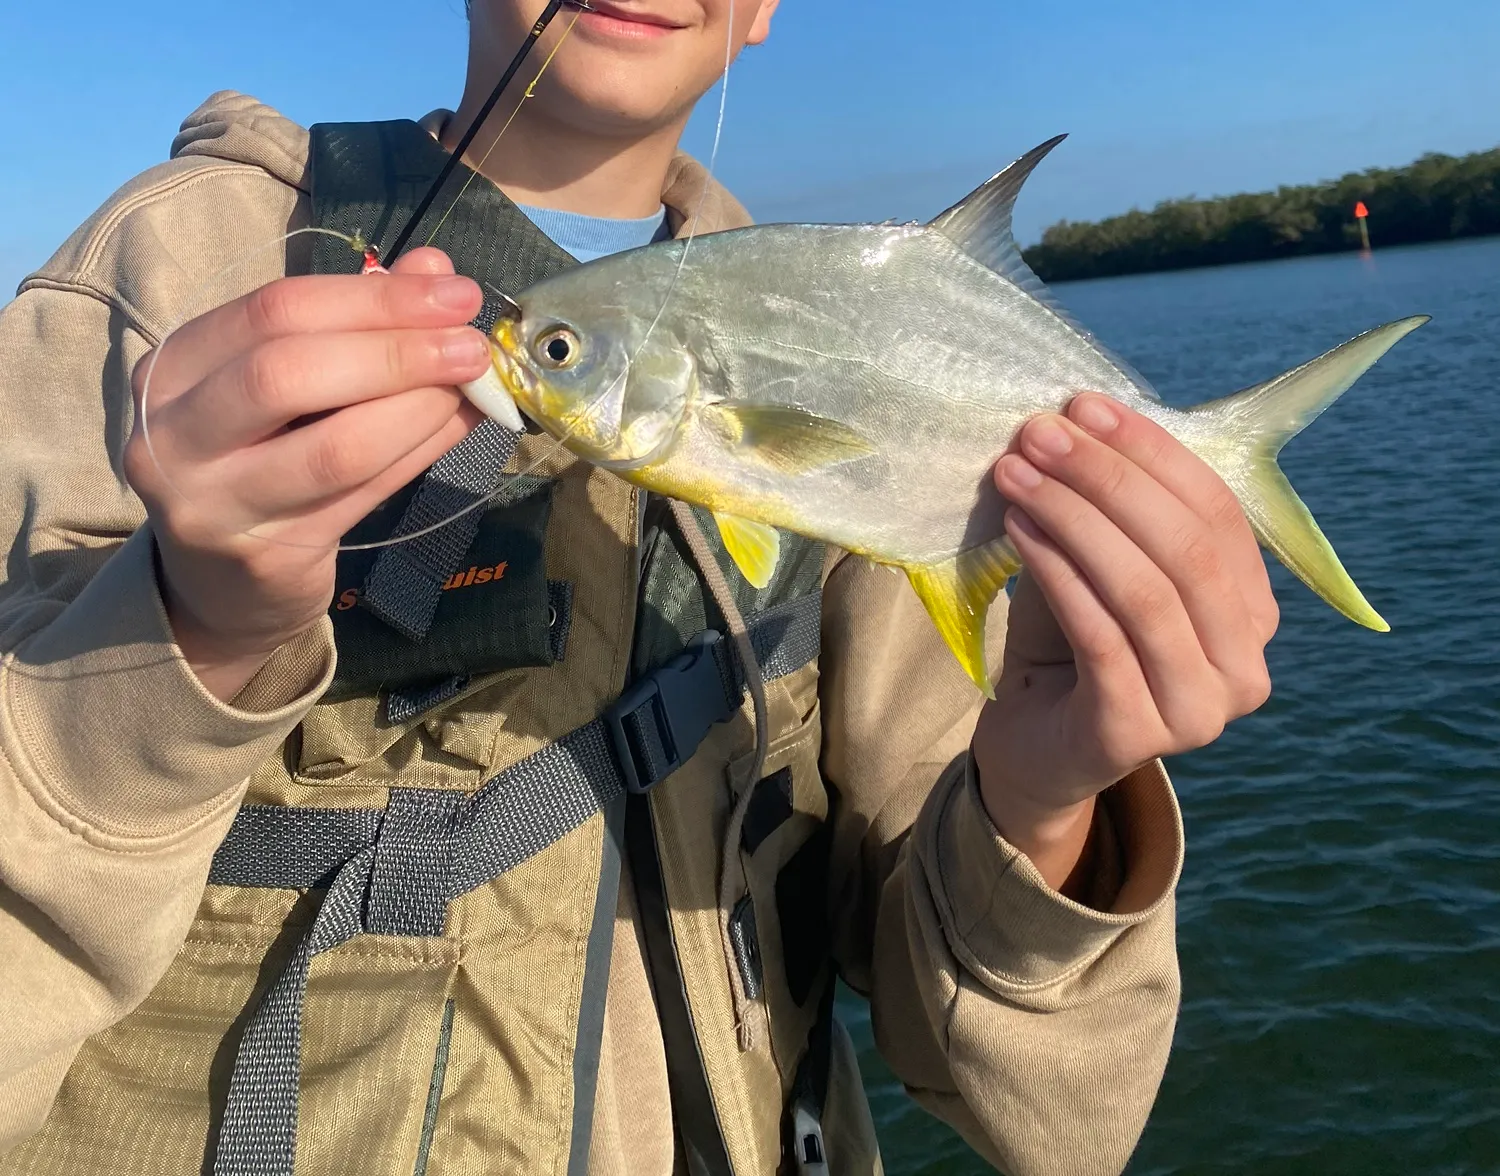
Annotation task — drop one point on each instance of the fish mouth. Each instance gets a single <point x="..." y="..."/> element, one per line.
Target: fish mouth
<point x="566" y="422"/>
<point x="519" y="380"/>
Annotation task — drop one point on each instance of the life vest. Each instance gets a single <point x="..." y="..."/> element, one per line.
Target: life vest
<point x="400" y="961"/>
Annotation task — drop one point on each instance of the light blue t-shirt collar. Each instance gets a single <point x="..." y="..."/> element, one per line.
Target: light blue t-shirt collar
<point x="589" y="238"/>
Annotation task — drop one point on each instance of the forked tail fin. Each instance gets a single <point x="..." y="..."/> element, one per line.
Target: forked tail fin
<point x="1263" y="419"/>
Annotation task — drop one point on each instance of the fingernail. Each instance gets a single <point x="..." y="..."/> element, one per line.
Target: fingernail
<point x="1094" y="414"/>
<point x="1050" y="437"/>
<point x="1021" y="472"/>
<point x="465" y="346"/>
<point x="453" y="292"/>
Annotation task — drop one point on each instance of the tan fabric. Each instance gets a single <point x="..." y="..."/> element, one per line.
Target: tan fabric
<point x="632" y="1063"/>
<point x="1037" y="1026"/>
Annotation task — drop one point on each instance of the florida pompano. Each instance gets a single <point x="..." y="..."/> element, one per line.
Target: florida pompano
<point x="856" y="383"/>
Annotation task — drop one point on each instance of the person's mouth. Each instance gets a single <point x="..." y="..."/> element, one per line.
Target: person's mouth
<point x="624" y="21"/>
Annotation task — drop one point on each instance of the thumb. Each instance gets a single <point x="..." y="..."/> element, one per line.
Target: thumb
<point x="423" y="260"/>
<point x="1033" y="636"/>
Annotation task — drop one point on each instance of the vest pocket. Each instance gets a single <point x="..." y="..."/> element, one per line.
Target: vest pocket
<point x="147" y="1094"/>
<point x="784" y="851"/>
<point x="496" y="610"/>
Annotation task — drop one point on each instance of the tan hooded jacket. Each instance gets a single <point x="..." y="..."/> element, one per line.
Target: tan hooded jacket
<point x="1038" y="1027"/>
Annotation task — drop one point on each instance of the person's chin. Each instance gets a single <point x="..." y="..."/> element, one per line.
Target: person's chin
<point x="608" y="100"/>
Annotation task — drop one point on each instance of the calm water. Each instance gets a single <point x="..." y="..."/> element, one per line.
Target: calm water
<point x="1340" y="913"/>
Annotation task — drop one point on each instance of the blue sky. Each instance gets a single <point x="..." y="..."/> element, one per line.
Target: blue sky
<point x="857" y="109"/>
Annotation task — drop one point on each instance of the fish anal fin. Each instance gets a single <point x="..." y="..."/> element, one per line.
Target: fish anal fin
<point x="957" y="594"/>
<point x="753" y="546"/>
<point x="789" y="439"/>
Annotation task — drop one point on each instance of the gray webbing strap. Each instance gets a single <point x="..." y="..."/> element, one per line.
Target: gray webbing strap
<point x="258" y="1136"/>
<point x="406" y="583"/>
<point x="272" y="847"/>
<point x="402" y="706"/>
<point x="395" y="871"/>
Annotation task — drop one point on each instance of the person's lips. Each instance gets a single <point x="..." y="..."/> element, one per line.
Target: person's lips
<point x="622" y="20"/>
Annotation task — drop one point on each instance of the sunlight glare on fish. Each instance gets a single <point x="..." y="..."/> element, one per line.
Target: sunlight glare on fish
<point x="877" y="256"/>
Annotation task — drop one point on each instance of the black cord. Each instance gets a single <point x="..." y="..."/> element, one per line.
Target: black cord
<point x="550" y="12"/>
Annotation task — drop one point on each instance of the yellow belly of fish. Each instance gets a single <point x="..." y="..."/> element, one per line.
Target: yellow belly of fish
<point x="957" y="592"/>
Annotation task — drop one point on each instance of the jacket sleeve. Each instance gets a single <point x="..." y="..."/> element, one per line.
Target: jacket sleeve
<point x="119" y="773"/>
<point x="1037" y="1027"/>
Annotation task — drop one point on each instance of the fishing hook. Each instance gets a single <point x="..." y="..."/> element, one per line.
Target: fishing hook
<point x="509" y="307"/>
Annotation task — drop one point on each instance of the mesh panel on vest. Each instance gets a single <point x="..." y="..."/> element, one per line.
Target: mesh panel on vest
<point x="367" y="179"/>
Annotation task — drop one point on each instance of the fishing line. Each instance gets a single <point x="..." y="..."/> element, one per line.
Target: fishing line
<point x="456" y="156"/>
<point x="372" y="256"/>
<point x="463" y="144"/>
<point x="593" y="405"/>
<point x="597" y="402"/>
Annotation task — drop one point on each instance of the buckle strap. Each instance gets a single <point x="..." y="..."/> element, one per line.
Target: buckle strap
<point x="506" y="821"/>
<point x="258" y="1136"/>
<point x="659" y="723"/>
<point x="394" y="871"/>
<point x="531" y="805"/>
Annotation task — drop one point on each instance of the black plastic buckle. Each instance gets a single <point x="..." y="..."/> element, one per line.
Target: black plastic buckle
<point x="684" y="699"/>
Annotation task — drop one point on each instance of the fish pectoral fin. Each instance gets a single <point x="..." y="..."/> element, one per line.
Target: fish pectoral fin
<point x="957" y="594"/>
<point x="753" y="546"/>
<point x="789" y="439"/>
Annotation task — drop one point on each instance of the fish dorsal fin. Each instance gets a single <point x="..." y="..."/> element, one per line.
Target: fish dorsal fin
<point x="753" y="546"/>
<point x="958" y="593"/>
<point x="980" y="225"/>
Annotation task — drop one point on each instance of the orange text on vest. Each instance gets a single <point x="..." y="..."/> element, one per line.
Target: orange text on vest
<point x="476" y="575"/>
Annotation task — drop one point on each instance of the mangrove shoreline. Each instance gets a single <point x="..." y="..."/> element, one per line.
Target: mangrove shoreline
<point x="1437" y="198"/>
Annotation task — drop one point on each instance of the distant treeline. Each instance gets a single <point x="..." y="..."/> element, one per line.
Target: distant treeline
<point x="1436" y="198"/>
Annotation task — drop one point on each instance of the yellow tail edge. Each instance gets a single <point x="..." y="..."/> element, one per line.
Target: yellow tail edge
<point x="1287" y="529"/>
<point x="1264" y="419"/>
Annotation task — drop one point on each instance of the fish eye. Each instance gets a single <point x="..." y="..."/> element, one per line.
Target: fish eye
<point x="558" y="348"/>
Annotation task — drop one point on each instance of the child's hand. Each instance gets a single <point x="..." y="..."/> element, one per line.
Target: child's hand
<point x="1138" y="631"/>
<point x="295" y="411"/>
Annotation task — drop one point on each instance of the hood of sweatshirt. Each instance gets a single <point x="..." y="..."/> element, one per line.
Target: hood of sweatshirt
<point x="237" y="128"/>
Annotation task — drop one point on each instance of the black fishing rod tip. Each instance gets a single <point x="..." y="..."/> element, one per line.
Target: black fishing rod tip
<point x="580" y="5"/>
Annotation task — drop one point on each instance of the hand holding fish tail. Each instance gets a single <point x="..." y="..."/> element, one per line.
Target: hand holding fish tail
<point x="291" y="412"/>
<point x="1138" y="630"/>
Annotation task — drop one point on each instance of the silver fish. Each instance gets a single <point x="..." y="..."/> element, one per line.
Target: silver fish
<point x="856" y="384"/>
